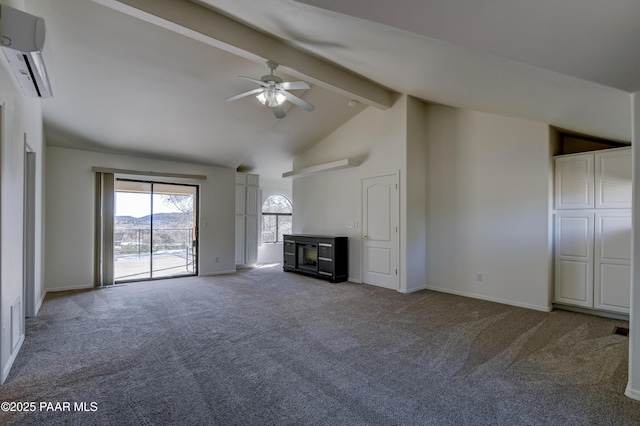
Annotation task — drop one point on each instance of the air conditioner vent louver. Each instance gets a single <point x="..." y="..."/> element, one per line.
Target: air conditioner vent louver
<point x="22" y="39"/>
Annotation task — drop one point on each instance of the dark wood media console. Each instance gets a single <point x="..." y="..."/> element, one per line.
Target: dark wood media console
<point x="317" y="255"/>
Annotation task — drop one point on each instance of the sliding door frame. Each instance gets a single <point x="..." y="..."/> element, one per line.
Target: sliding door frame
<point x="195" y="243"/>
<point x="105" y="190"/>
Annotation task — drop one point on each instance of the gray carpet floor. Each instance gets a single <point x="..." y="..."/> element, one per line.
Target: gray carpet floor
<point x="265" y="347"/>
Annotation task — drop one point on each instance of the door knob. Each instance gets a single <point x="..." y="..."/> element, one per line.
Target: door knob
<point x="364" y="237"/>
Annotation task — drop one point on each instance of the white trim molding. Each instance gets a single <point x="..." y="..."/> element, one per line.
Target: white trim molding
<point x="146" y="173"/>
<point x="491" y="299"/>
<point x="632" y="393"/>
<point x="412" y="290"/>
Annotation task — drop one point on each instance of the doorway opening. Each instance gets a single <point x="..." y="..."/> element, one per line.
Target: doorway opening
<point x="155" y="230"/>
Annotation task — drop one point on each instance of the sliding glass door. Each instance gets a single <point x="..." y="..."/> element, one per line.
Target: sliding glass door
<point x="173" y="238"/>
<point x="155" y="232"/>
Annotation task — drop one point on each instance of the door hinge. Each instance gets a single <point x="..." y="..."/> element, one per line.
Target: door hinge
<point x="396" y="186"/>
<point x="396" y="272"/>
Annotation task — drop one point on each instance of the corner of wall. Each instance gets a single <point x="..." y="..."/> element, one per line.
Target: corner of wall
<point x="633" y="386"/>
<point x="554" y="147"/>
<point x="414" y="206"/>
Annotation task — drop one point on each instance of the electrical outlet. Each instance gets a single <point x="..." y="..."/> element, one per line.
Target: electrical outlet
<point x="217" y="259"/>
<point x="479" y="277"/>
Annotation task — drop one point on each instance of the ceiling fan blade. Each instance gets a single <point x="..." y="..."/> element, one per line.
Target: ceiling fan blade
<point x="297" y="101"/>
<point x="242" y="95"/>
<point x="261" y="83"/>
<point x="295" y="85"/>
<point x="278" y="112"/>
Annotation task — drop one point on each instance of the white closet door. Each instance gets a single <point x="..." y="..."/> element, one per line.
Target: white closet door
<point x="240" y="199"/>
<point x="253" y="180"/>
<point x="240" y="241"/>
<point x="574" y="182"/>
<point x="613" y="178"/>
<point x="574" y="258"/>
<point x="253" y="201"/>
<point x="612" y="277"/>
<point x="240" y="215"/>
<point x="248" y="209"/>
<point x="251" y="238"/>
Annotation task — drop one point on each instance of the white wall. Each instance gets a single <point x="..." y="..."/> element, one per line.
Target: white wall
<point x="70" y="190"/>
<point x="20" y="122"/>
<point x="324" y="203"/>
<point x="488" y="201"/>
<point x="475" y="198"/>
<point x="272" y="252"/>
<point x="633" y="387"/>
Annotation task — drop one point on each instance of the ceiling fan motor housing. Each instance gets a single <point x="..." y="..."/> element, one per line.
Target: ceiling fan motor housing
<point x="271" y="79"/>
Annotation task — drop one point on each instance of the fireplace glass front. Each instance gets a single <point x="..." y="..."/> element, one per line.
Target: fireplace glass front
<point x="308" y="257"/>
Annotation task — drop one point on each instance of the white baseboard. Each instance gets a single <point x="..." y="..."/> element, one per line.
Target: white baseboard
<point x="354" y="280"/>
<point x="605" y="314"/>
<point x="491" y="299"/>
<point x="39" y="304"/>
<point x="413" y="290"/>
<point x="70" y="288"/>
<point x="211" y="274"/>
<point x="12" y="358"/>
<point x="632" y="393"/>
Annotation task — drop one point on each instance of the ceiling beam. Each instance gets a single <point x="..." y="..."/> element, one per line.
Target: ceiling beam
<point x="208" y="26"/>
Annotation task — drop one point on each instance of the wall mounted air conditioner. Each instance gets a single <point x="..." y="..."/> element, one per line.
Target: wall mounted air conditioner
<point x="22" y="39"/>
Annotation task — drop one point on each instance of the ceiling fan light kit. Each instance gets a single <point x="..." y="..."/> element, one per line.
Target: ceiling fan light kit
<point x="271" y="98"/>
<point x="273" y="92"/>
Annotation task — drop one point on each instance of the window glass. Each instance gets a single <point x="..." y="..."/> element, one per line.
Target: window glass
<point x="276" y="204"/>
<point x="276" y="218"/>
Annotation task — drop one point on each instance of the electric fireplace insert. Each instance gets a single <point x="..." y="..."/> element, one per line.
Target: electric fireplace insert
<point x="317" y="255"/>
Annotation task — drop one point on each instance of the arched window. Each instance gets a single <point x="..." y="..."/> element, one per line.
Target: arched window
<point x="276" y="218"/>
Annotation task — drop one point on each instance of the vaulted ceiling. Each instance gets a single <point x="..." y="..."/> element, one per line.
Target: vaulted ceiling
<point x="149" y="77"/>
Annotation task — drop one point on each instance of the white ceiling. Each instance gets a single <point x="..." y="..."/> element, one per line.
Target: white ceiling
<point x="591" y="39"/>
<point x="134" y="82"/>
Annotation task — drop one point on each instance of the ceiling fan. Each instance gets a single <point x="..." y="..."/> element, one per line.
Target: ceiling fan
<point x="273" y="92"/>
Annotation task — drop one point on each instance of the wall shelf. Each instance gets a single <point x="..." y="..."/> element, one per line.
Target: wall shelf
<point x="321" y="168"/>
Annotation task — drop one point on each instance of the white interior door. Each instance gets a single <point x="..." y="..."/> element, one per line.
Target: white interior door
<point x="380" y="211"/>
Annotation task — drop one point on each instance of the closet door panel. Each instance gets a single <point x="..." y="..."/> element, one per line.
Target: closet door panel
<point x="574" y="182"/>
<point x="252" y="200"/>
<point x="251" y="238"/>
<point x="240" y="240"/>
<point x="248" y="214"/>
<point x="240" y="199"/>
<point x="574" y="277"/>
<point x="613" y="179"/>
<point x="612" y="277"/>
<point x="574" y="233"/>
<point x="612" y="291"/>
